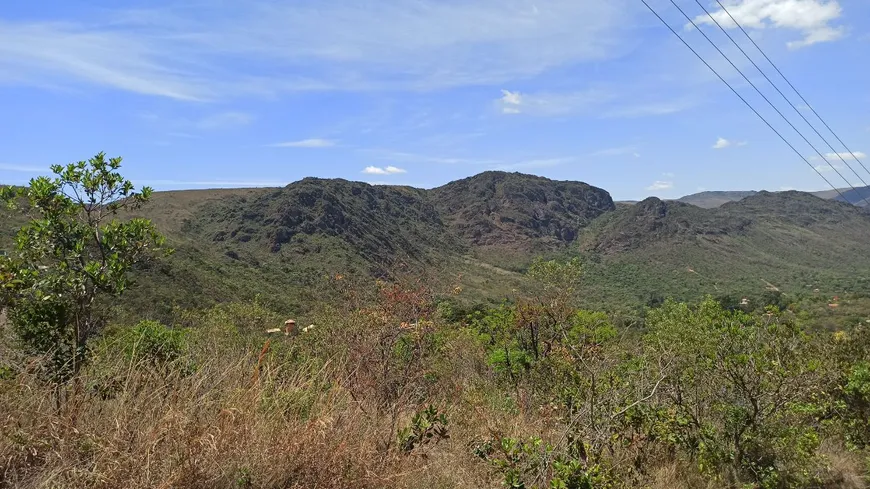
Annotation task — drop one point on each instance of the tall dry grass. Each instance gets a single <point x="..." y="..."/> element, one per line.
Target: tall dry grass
<point x="241" y="413"/>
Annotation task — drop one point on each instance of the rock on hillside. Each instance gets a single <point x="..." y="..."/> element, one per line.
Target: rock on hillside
<point x="376" y="223"/>
<point x="513" y="209"/>
<point x="655" y="220"/>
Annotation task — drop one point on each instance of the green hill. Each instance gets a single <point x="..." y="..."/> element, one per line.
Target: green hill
<point x="792" y="241"/>
<point x="279" y="243"/>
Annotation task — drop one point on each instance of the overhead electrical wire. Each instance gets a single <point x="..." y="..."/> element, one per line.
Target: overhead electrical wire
<point x="772" y="105"/>
<point x="790" y="84"/>
<point x="736" y="44"/>
<point x="753" y="109"/>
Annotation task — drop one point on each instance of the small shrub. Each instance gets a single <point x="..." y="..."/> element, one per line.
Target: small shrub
<point x="154" y="343"/>
<point x="427" y="426"/>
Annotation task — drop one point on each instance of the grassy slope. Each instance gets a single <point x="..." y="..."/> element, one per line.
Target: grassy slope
<point x="793" y="241"/>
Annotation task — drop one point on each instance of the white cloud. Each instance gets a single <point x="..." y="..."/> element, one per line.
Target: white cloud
<point x="844" y="156"/>
<point x="827" y="168"/>
<point x="812" y="18"/>
<point x="190" y="54"/>
<point x="834" y="161"/>
<point x="511" y="98"/>
<point x="389" y="170"/>
<point x="722" y="143"/>
<point x="661" y="185"/>
<point x="306" y="143"/>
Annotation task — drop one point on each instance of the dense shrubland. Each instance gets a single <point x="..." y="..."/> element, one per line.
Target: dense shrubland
<point x="400" y="385"/>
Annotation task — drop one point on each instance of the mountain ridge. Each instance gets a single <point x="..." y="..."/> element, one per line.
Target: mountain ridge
<point x="278" y="243"/>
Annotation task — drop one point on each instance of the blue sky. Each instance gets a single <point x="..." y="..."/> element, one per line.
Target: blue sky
<point x="218" y="93"/>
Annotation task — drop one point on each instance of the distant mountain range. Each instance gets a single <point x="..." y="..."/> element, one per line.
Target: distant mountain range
<point x="709" y="200"/>
<point x="279" y="243"/>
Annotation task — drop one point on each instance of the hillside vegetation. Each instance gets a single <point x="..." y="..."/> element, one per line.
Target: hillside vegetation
<point x="281" y="243"/>
<point x="423" y="362"/>
<point x="790" y="241"/>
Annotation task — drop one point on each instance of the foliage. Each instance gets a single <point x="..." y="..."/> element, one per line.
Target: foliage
<point x="154" y="343"/>
<point x="744" y="387"/>
<point x="427" y="426"/>
<point x="528" y="464"/>
<point x="73" y="252"/>
<point x="857" y="399"/>
<point x="568" y="384"/>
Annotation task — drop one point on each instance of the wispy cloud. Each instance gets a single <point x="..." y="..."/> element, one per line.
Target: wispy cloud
<point x="598" y="102"/>
<point x="186" y="54"/>
<point x="551" y="104"/>
<point x="389" y="170"/>
<point x="192" y="127"/>
<point x="828" y="168"/>
<point x="624" y="151"/>
<point x="401" y="156"/>
<point x="843" y="156"/>
<point x="224" y="120"/>
<point x="813" y="18"/>
<point x="22" y="168"/>
<point x="649" y="109"/>
<point x="482" y="162"/>
<point x="533" y="164"/>
<point x="306" y="143"/>
<point x="834" y="161"/>
<point x="661" y="185"/>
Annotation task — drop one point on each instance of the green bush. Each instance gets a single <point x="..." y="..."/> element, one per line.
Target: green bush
<point x="153" y="343"/>
<point x="427" y="426"/>
<point x="747" y="384"/>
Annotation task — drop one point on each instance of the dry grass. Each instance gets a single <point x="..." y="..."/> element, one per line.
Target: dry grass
<point x="215" y="428"/>
<point x="244" y="417"/>
<point x="846" y="469"/>
<point x="314" y="411"/>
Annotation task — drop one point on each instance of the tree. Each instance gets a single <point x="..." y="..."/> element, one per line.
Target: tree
<point x="73" y="252"/>
<point x="740" y="393"/>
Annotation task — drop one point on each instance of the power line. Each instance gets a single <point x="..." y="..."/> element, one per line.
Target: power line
<point x="774" y="107"/>
<point x="790" y="84"/>
<point x="800" y="155"/>
<point x="837" y="153"/>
